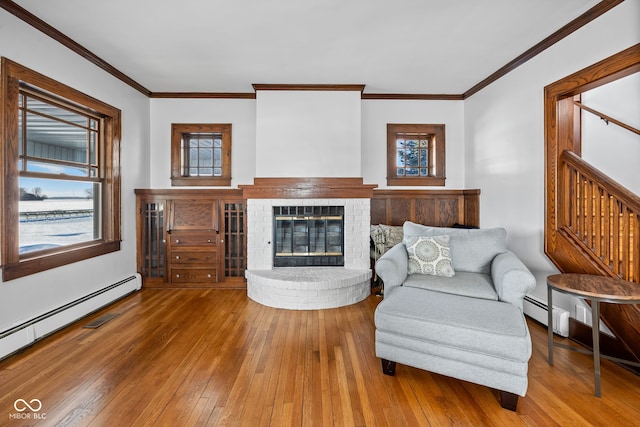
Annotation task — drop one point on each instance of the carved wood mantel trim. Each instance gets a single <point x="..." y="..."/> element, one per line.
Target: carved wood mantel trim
<point x="307" y="188"/>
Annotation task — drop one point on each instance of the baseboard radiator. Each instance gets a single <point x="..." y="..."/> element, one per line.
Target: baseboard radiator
<point x="538" y="310"/>
<point x="32" y="330"/>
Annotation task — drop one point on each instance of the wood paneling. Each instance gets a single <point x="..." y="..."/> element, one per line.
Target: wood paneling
<point x="194" y="214"/>
<point x="440" y="208"/>
<point x="208" y="357"/>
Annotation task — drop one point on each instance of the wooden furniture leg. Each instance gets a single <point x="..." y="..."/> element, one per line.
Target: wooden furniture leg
<point x="388" y="367"/>
<point x="508" y="400"/>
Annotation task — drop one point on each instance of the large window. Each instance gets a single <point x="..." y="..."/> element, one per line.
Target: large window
<point x="415" y="154"/>
<point x="201" y="154"/>
<point x="61" y="200"/>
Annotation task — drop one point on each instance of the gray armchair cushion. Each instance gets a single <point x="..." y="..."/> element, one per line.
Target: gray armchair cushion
<point x="473" y="339"/>
<point x="471" y="324"/>
<point x="474" y="285"/>
<point x="472" y="250"/>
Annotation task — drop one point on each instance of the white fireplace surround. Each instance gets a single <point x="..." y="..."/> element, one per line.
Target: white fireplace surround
<point x="324" y="122"/>
<point x="308" y="287"/>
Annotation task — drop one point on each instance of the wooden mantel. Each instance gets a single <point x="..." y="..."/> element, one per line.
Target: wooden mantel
<point x="307" y="188"/>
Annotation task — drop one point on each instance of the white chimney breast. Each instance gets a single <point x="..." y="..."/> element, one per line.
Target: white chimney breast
<point x="308" y="133"/>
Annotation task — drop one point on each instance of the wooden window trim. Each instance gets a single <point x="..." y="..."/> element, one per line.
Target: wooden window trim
<point x="438" y="152"/>
<point x="177" y="130"/>
<point x="15" y="265"/>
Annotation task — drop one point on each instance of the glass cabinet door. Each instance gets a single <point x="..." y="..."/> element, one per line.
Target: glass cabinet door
<point x="153" y="239"/>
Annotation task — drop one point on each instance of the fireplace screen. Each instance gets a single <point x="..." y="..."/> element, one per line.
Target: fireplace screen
<point x="306" y="236"/>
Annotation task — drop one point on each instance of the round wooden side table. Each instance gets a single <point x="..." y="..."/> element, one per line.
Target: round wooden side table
<point x="597" y="289"/>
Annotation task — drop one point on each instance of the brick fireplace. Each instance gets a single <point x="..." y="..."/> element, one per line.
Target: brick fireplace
<point x="308" y="287"/>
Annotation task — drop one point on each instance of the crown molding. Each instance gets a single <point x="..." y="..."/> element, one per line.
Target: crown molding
<point x="414" y="96"/>
<point x="582" y="20"/>
<point x="204" y="95"/>
<point x="316" y="87"/>
<point x="593" y="13"/>
<point x="71" y="44"/>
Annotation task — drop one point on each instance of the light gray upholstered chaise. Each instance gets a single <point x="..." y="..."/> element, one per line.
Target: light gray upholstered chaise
<point x="469" y="326"/>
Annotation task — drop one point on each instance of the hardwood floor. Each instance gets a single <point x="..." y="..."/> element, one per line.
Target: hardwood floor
<point x="192" y="357"/>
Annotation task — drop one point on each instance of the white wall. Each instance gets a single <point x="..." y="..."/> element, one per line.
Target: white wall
<point x="609" y="147"/>
<point x="241" y="113"/>
<point x="504" y="128"/>
<point x="24" y="298"/>
<point x="377" y="113"/>
<point x="308" y="133"/>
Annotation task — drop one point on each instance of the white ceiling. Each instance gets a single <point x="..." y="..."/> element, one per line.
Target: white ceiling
<point x="399" y="46"/>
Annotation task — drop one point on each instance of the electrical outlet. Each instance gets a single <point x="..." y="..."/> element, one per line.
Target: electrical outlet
<point x="581" y="313"/>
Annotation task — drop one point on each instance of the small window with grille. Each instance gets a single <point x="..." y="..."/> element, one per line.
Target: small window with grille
<point x="201" y="154"/>
<point x="415" y="154"/>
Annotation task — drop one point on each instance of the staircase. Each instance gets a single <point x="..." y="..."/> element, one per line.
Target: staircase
<point x="598" y="232"/>
<point x="592" y="223"/>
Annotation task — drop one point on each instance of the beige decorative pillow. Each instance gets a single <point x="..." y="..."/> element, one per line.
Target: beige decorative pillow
<point x="392" y="235"/>
<point x="384" y="237"/>
<point x="429" y="255"/>
<point x="377" y="237"/>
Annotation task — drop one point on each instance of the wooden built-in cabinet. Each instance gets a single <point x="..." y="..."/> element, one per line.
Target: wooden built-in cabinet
<point x="193" y="241"/>
<point x="191" y="238"/>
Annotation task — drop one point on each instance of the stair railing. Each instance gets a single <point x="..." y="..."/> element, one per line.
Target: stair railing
<point x="600" y="216"/>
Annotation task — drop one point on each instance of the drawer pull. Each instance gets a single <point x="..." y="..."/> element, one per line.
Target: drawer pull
<point x="209" y="241"/>
<point x="177" y="240"/>
<point x="177" y="256"/>
<point x="177" y="276"/>
<point x="209" y="276"/>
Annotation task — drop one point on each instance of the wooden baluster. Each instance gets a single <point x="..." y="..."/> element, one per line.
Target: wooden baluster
<point x="635" y="246"/>
<point x="606" y="233"/>
<point x="616" y="237"/>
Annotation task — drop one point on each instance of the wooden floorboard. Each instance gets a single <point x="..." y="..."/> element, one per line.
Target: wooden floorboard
<point x="209" y="357"/>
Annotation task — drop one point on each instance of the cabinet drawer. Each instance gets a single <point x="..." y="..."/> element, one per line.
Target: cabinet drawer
<point x="193" y="275"/>
<point x="192" y="239"/>
<point x="193" y="257"/>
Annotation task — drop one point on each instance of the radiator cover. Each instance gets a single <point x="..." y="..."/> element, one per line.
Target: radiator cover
<point x="538" y="310"/>
<point x="32" y="330"/>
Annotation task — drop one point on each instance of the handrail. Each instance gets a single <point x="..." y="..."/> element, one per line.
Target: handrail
<point x="606" y="118"/>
